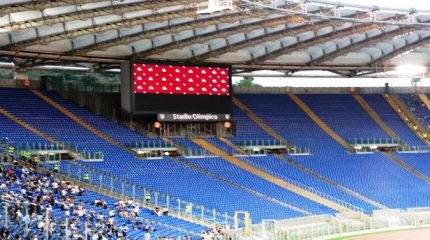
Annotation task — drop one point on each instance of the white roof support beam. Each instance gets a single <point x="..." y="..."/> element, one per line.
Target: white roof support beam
<point x="74" y="28"/>
<point x="35" y="17"/>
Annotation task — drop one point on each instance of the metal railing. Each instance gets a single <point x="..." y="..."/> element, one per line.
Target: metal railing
<point x="47" y="149"/>
<point x="270" y="143"/>
<point x="196" y="153"/>
<point x="83" y="155"/>
<point x="375" y="141"/>
<point x="44" y="146"/>
<point x="150" y="144"/>
<point x="295" y="150"/>
<point x="259" y="142"/>
<point x="413" y="149"/>
<point x="372" y="144"/>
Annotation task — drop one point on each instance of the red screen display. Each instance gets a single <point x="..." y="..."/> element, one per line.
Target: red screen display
<point x="185" y="80"/>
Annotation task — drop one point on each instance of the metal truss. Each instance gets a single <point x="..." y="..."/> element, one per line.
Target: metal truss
<point x="220" y="33"/>
<point x="148" y="34"/>
<point x="97" y="28"/>
<point x="263" y="38"/>
<point x="357" y="45"/>
<point x="312" y="41"/>
<point x="78" y="12"/>
<point x="399" y="51"/>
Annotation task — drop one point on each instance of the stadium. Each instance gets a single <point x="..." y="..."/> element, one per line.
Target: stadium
<point x="121" y="119"/>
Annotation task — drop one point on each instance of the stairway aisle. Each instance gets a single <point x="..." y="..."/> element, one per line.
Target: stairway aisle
<point x="232" y="145"/>
<point x="82" y="122"/>
<point x="425" y="100"/>
<point x="408" y="167"/>
<point x="320" y="122"/>
<point x="242" y="187"/>
<point x="331" y="182"/>
<point x="257" y="120"/>
<point x="375" y="116"/>
<point x="408" y="117"/>
<point x="256" y="171"/>
<point x="27" y="126"/>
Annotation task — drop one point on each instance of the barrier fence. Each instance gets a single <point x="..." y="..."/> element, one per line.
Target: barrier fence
<point x="52" y="151"/>
<point x="327" y="226"/>
<point x="257" y="145"/>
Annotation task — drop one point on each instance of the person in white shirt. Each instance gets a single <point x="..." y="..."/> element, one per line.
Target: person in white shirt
<point x="19" y="214"/>
<point x="98" y="236"/>
<point x="136" y="211"/>
<point x="112" y="213"/>
<point x="26" y="219"/>
<point x="111" y="220"/>
<point x="124" y="230"/>
<point x="41" y="225"/>
<point x="75" y="190"/>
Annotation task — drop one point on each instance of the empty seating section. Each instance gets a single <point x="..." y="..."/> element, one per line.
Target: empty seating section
<point x="188" y="145"/>
<point x="392" y="119"/>
<point x="230" y="171"/>
<point x="222" y="145"/>
<point x="344" y="115"/>
<point x="419" y="161"/>
<point x="116" y="131"/>
<point x="368" y="175"/>
<point x="373" y="176"/>
<point x="246" y="128"/>
<point x="33" y="110"/>
<point x="20" y="135"/>
<point x="286" y="118"/>
<point x="276" y="166"/>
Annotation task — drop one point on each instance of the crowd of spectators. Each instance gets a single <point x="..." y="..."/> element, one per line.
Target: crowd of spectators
<point x="39" y="205"/>
<point x="32" y="199"/>
<point x="418" y="107"/>
<point x="218" y="233"/>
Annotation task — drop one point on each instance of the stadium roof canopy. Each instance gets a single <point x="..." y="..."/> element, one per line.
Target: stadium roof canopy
<point x="283" y="35"/>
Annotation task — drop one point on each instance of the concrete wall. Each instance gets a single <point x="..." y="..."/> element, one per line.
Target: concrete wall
<point x="340" y="90"/>
<point x="35" y="84"/>
<point x="11" y="83"/>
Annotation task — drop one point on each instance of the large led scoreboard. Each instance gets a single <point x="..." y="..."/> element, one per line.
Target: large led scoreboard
<point x="176" y="92"/>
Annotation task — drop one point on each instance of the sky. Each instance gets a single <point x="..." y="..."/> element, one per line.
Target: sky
<point x="407" y="4"/>
<point x="328" y="79"/>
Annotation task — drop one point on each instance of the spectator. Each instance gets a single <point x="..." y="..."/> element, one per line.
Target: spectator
<point x="112" y="213"/>
<point x="158" y="211"/>
<point x="147" y="236"/>
<point x="124" y="230"/>
<point x="98" y="236"/>
<point x="165" y="211"/>
<point x="136" y="211"/>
